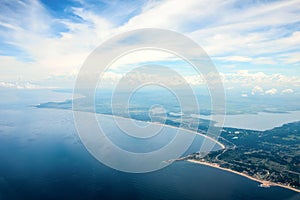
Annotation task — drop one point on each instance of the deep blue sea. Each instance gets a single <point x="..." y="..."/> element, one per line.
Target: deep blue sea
<point x="41" y="157"/>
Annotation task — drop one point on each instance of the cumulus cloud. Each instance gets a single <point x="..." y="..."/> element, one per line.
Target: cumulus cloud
<point x="257" y="90"/>
<point x="248" y="79"/>
<point x="233" y="81"/>
<point x="22" y="86"/>
<point x="287" y="91"/>
<point x="271" y="91"/>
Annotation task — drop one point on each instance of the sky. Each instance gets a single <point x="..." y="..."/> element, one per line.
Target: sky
<point x="254" y="44"/>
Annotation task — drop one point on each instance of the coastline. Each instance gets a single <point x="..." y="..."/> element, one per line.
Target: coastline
<point x="263" y="183"/>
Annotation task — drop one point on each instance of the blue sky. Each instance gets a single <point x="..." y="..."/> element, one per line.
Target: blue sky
<point x="254" y="44"/>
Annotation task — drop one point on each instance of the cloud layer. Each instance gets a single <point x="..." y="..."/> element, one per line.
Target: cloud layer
<point x="252" y="43"/>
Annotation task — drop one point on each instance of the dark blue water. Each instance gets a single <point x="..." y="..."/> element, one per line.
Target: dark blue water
<point x="41" y="157"/>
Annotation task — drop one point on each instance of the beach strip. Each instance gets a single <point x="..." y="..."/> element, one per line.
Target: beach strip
<point x="263" y="183"/>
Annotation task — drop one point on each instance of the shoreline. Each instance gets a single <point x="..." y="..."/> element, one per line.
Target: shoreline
<point x="263" y="183"/>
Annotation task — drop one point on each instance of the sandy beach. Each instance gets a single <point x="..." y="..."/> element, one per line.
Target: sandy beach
<point x="263" y="183"/>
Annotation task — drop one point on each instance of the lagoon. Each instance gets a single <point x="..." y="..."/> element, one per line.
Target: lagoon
<point x="261" y="121"/>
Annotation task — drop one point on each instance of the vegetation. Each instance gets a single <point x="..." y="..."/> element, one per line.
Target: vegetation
<point x="272" y="155"/>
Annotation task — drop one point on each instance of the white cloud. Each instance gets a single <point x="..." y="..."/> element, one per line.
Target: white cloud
<point x="271" y="91"/>
<point x="110" y="78"/>
<point x="287" y="91"/>
<point x="251" y="34"/>
<point x="235" y="58"/>
<point x="241" y="79"/>
<point x="255" y="33"/>
<point x="195" y="80"/>
<point x="6" y="85"/>
<point x="290" y="58"/>
<point x="22" y="85"/>
<point x="50" y="55"/>
<point x="139" y="57"/>
<point x="167" y="15"/>
<point x="247" y="79"/>
<point x="257" y="90"/>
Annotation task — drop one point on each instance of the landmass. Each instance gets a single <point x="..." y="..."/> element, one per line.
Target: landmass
<point x="270" y="157"/>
